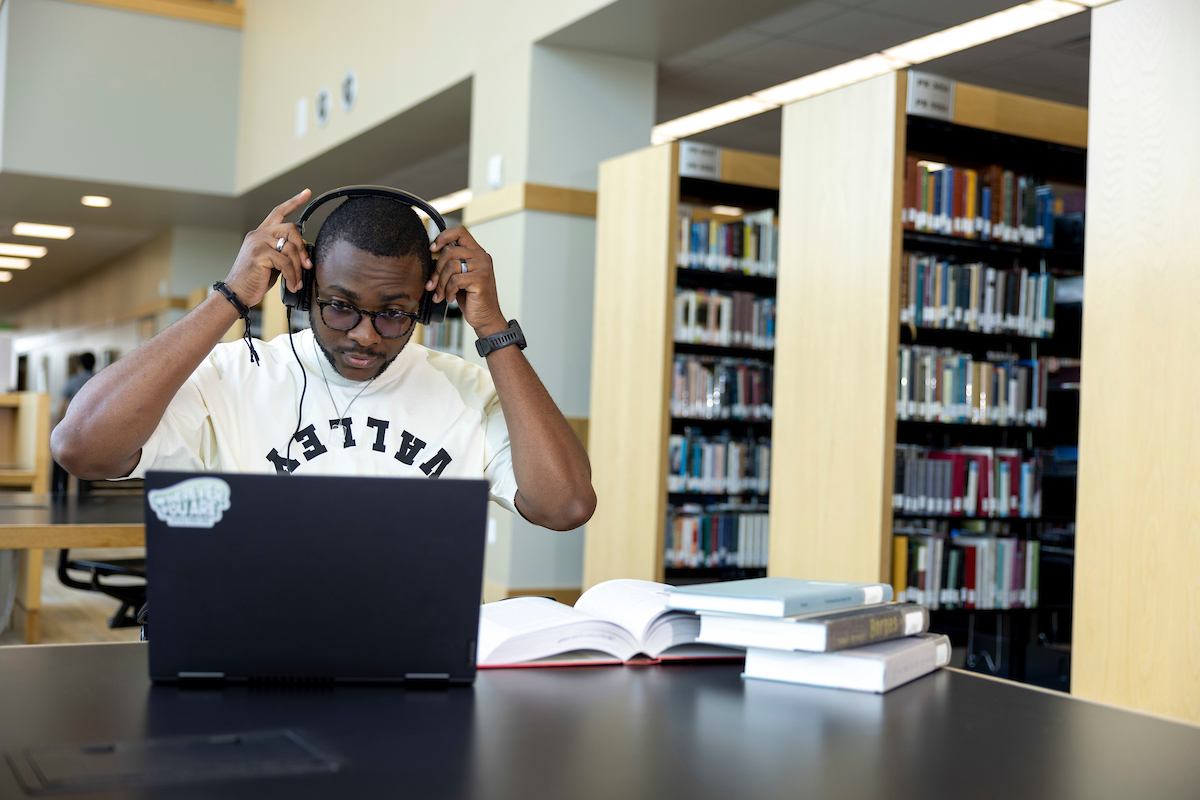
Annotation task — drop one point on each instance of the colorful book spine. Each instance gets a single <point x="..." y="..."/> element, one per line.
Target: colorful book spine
<point x="716" y="536"/>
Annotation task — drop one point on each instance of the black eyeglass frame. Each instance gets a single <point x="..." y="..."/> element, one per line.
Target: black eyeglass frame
<point x="374" y="315"/>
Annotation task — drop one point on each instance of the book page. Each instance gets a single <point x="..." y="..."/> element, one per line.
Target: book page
<point x="528" y="628"/>
<point x="632" y="604"/>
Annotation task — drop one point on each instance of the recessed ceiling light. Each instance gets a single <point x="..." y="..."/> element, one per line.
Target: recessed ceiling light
<point x="728" y="211"/>
<point x="14" y="263"/>
<point x="43" y="231"/>
<point x="454" y="201"/>
<point x="860" y="69"/>
<point x="5" y="277"/>
<point x="709" y="118"/>
<point x="26" y="250"/>
<point x="96" y="201"/>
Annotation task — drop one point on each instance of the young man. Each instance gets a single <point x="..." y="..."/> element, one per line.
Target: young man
<point x="374" y="405"/>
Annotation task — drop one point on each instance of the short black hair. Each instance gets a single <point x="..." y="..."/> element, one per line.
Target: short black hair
<point x="87" y="360"/>
<point x="378" y="226"/>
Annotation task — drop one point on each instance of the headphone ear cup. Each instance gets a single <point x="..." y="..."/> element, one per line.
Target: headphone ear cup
<point x="429" y="311"/>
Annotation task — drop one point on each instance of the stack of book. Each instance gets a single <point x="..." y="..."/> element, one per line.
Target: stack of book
<point x="718" y="535"/>
<point x="937" y="293"/>
<point x="724" y="319"/>
<point x="967" y="482"/>
<point x="820" y="633"/>
<point x="740" y="243"/>
<point x="944" y="385"/>
<point x="721" y="464"/>
<point x="704" y="387"/>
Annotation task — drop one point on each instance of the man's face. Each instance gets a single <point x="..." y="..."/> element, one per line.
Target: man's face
<point x="371" y="283"/>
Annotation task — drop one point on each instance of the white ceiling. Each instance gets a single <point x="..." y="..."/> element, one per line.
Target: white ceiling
<point x="775" y="46"/>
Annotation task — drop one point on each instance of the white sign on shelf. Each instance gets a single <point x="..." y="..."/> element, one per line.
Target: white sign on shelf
<point x="699" y="161"/>
<point x="930" y="95"/>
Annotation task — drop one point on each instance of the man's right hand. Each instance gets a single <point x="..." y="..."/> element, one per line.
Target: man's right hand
<point x="259" y="262"/>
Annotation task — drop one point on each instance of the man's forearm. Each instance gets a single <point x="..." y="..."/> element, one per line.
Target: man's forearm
<point x="554" y="478"/>
<point x="116" y="411"/>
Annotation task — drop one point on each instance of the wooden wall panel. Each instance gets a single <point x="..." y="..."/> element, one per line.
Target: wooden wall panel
<point x="837" y="333"/>
<point x="1031" y="117"/>
<point x="628" y="425"/>
<point x="1137" y="580"/>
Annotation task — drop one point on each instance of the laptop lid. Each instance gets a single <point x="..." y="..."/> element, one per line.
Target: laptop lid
<point x="267" y="577"/>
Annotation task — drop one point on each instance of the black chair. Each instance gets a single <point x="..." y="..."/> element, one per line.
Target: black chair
<point x="131" y="596"/>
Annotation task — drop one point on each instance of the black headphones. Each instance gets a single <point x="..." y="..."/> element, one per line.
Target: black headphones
<point x="428" y="311"/>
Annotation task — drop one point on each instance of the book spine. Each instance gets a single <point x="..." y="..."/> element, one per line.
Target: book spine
<point x="889" y="622"/>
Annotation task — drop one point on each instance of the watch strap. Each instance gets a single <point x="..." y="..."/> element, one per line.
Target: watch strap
<point x="490" y="344"/>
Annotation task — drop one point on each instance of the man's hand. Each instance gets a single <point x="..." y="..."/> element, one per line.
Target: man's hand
<point x="259" y="262"/>
<point x="475" y="289"/>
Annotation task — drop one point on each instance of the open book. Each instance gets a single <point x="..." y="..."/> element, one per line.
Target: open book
<point x="611" y="623"/>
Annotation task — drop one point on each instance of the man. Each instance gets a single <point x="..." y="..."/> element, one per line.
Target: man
<point x="372" y="403"/>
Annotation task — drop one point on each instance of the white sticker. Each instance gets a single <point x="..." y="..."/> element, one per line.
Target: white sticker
<point x="195" y="503"/>
<point x="872" y="594"/>
<point x="912" y="622"/>
<point x="943" y="654"/>
<point x="699" y="161"/>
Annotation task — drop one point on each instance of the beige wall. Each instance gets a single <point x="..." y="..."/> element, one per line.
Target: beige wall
<point x="1137" y="579"/>
<point x="402" y="53"/>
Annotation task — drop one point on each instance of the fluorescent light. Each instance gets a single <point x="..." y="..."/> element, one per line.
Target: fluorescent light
<point x="27" y="250"/>
<point x="451" y="202"/>
<point x="982" y="30"/>
<point x="932" y="166"/>
<point x="96" y="201"/>
<point x="5" y="277"/>
<point x="14" y="263"/>
<point x="728" y="211"/>
<point x="829" y="79"/>
<point x="709" y="118"/>
<point x="43" y="231"/>
<point x="918" y="51"/>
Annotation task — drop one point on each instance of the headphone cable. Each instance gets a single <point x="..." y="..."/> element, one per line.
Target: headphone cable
<point x="303" y="389"/>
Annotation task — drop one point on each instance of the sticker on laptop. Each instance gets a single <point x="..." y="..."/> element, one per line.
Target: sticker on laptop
<point x="194" y="503"/>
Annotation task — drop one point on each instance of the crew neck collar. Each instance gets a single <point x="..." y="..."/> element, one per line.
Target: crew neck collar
<point x="315" y="362"/>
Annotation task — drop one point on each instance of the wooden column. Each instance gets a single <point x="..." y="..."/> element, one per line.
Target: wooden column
<point x="837" y="332"/>
<point x="1137" y="579"/>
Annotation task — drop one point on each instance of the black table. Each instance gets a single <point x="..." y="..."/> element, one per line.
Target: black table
<point x="695" y="731"/>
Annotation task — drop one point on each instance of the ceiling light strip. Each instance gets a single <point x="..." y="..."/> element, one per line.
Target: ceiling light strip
<point x="951" y="40"/>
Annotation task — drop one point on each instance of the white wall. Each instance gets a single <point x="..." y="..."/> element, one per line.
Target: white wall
<point x="4" y="9"/>
<point x="201" y="256"/>
<point x="116" y="96"/>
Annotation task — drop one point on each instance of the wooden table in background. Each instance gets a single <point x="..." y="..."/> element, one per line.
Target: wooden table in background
<point x="32" y="523"/>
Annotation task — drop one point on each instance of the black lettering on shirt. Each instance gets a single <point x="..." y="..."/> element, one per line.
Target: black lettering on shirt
<point x="409" y="447"/>
<point x="307" y="439"/>
<point x="344" y="424"/>
<point x="437" y="463"/>
<point x="282" y="465"/>
<point x="380" y="427"/>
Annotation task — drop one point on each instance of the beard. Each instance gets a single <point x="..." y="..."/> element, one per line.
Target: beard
<point x="312" y="323"/>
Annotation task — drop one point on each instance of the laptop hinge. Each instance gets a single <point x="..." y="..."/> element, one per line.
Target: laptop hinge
<point x="427" y="676"/>
<point x="200" y="676"/>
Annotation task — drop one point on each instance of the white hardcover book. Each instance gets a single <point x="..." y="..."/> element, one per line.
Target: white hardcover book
<point x="874" y="668"/>
<point x="727" y="321"/>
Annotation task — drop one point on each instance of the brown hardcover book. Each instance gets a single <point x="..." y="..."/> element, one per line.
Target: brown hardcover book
<point x="816" y="633"/>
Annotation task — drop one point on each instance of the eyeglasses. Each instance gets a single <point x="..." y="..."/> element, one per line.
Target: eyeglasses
<point x="391" y="323"/>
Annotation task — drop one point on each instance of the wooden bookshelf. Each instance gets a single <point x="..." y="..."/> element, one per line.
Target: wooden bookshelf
<point x="633" y="349"/>
<point x="838" y="331"/>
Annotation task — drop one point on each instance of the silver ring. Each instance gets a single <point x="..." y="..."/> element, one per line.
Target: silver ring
<point x="280" y="243"/>
<point x="464" y="266"/>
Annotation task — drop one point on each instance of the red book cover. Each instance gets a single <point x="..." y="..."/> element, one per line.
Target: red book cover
<point x="911" y="188"/>
<point x="969" y="551"/>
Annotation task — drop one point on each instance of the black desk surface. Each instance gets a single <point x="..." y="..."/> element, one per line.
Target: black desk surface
<point x="123" y="507"/>
<point x="601" y="732"/>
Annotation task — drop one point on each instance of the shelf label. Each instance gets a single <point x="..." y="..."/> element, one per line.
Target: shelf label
<point x="930" y="95"/>
<point x="699" y="161"/>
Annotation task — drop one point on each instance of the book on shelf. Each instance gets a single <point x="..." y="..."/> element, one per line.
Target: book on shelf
<point x="720" y="464"/>
<point x="988" y="204"/>
<point x="740" y="243"/>
<point x="446" y="336"/>
<point x="707" y="387"/>
<point x="612" y="623"/>
<point x="967" y="482"/>
<point x="817" y="633"/>
<point x="716" y="536"/>
<point x="777" y="597"/>
<point x="944" y="385"/>
<point x="874" y="668"/>
<point x="936" y="292"/>
<point x="724" y="319"/>
<point x="969" y="572"/>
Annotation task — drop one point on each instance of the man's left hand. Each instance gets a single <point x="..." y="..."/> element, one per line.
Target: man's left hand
<point x="474" y="289"/>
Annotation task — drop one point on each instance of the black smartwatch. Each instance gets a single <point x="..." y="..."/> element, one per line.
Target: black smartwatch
<point x="513" y="335"/>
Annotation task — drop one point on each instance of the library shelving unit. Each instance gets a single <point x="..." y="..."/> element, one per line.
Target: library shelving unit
<point x="637" y="235"/>
<point x="839" y="332"/>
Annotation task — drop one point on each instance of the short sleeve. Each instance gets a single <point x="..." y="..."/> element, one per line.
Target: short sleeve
<point x="184" y="439"/>
<point x="498" y="467"/>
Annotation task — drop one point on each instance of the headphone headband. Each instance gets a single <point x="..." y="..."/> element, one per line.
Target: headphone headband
<point x="367" y="190"/>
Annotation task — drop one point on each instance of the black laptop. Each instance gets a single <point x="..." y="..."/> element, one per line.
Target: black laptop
<point x="313" y="579"/>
